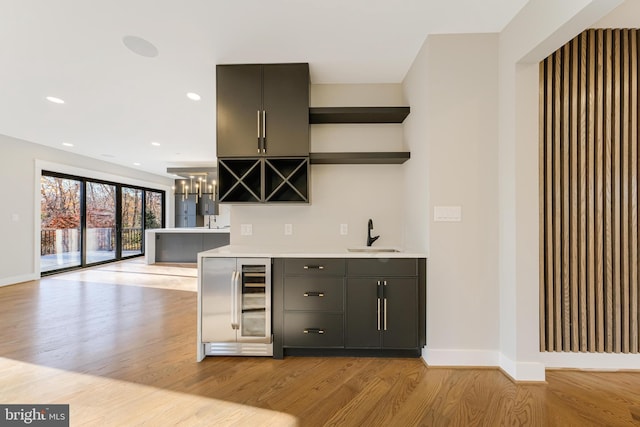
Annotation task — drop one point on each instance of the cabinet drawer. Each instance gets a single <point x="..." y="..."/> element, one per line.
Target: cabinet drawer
<point x="382" y="267"/>
<point x="314" y="267"/>
<point x="310" y="329"/>
<point x="314" y="293"/>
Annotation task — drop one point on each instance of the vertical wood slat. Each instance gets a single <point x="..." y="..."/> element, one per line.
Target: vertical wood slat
<point x="591" y="256"/>
<point x="565" y="125"/>
<point x="575" y="214"/>
<point x="633" y="204"/>
<point x="557" y="199"/>
<point x="590" y="296"/>
<point x="582" y="117"/>
<point x="599" y="215"/>
<point x="616" y="309"/>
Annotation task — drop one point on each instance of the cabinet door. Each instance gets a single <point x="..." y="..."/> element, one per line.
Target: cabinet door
<point x="400" y="313"/>
<point x="239" y="104"/>
<point x="185" y="205"/>
<point x="286" y="109"/>
<point x="207" y="205"/>
<point x="364" y="305"/>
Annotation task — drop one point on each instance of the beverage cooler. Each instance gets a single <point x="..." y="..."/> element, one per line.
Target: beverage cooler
<point x="235" y="306"/>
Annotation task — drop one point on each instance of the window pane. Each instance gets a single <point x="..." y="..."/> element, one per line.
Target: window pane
<point x="153" y="210"/>
<point x="101" y="222"/>
<point x="60" y="223"/>
<point x="131" y="221"/>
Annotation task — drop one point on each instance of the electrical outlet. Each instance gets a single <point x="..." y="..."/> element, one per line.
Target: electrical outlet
<point x="344" y="229"/>
<point x="288" y="229"/>
<point x="246" y="229"/>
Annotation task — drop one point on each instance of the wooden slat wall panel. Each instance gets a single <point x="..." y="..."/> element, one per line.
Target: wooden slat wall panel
<point x="589" y="290"/>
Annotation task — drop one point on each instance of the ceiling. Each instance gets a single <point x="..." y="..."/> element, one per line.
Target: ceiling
<point x="116" y="103"/>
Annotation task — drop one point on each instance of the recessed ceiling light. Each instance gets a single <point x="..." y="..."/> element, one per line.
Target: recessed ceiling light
<point x="55" y="100"/>
<point x="67" y="144"/>
<point x="137" y="163"/>
<point x="140" y="46"/>
<point x="193" y="96"/>
<point x="155" y="144"/>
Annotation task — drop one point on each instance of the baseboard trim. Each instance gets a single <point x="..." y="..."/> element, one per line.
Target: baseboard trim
<point x="8" y="281"/>
<point x="522" y="372"/>
<point x="518" y="372"/>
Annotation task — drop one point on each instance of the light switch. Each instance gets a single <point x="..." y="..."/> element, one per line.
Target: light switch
<point x="15" y="217"/>
<point x="344" y="229"/>
<point x="288" y="229"/>
<point x="246" y="229"/>
<point x="447" y="213"/>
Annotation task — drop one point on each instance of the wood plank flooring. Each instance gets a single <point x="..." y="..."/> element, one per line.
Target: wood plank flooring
<point x="117" y="343"/>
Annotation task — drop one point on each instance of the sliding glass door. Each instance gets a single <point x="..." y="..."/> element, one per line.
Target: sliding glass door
<point x="101" y="222"/>
<point x="131" y="221"/>
<point x="60" y="214"/>
<point x="86" y="222"/>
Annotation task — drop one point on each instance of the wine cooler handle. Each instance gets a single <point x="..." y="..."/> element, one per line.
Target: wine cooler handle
<point x="233" y="299"/>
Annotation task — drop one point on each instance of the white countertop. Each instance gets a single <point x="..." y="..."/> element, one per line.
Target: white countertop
<point x="189" y="230"/>
<point x="288" y="252"/>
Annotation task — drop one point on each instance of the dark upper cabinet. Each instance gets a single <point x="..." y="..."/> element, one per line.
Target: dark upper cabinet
<point x="207" y="205"/>
<point x="262" y="110"/>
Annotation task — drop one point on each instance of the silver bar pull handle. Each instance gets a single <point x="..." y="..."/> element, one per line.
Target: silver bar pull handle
<point x="314" y="331"/>
<point x="313" y="294"/>
<point x="264" y="131"/>
<point x="378" y="311"/>
<point x="314" y="267"/>
<point x="258" y="128"/>
<point x="385" y="314"/>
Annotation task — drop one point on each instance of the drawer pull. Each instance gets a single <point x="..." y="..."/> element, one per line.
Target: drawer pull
<point x="314" y="331"/>
<point x="314" y="267"/>
<point x="313" y="294"/>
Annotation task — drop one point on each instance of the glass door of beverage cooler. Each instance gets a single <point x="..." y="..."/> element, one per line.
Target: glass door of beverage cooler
<point x="254" y="300"/>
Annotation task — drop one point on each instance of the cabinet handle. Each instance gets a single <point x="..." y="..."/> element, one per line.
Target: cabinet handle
<point x="378" y="311"/>
<point x="313" y="294"/>
<point x="258" y="128"/>
<point x="313" y="331"/>
<point x="385" y="314"/>
<point x="264" y="131"/>
<point x="233" y="300"/>
<point x="314" y="267"/>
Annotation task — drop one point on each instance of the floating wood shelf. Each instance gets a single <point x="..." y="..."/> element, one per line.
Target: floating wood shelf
<point x="355" y="158"/>
<point x="319" y="115"/>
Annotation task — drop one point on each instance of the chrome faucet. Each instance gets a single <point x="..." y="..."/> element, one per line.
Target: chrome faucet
<point x="370" y="239"/>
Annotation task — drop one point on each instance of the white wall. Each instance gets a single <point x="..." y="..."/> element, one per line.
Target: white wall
<point x="20" y="166"/>
<point x="340" y="194"/>
<point x="452" y="133"/>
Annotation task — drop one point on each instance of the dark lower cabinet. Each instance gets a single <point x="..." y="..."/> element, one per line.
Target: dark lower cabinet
<point x="382" y="313"/>
<point x="352" y="306"/>
<point x="313" y="329"/>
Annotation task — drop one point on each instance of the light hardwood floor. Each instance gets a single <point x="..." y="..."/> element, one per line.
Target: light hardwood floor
<point x="117" y="343"/>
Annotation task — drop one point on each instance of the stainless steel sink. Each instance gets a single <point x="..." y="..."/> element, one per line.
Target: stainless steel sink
<point x="372" y="249"/>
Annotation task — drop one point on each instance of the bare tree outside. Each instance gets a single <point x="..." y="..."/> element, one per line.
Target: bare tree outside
<point x="61" y="221"/>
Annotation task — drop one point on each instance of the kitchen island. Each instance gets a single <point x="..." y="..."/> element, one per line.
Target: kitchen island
<point x="321" y="302"/>
<point x="182" y="244"/>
